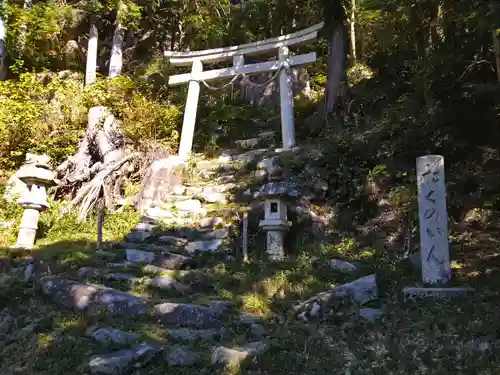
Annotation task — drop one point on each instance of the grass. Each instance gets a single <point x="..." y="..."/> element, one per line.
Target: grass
<point x="459" y="336"/>
<point x="428" y="337"/>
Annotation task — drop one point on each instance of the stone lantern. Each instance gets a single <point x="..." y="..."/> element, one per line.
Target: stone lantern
<point x="37" y="176"/>
<point x="275" y="223"/>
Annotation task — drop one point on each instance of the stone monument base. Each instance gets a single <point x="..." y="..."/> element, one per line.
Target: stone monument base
<point x="411" y="293"/>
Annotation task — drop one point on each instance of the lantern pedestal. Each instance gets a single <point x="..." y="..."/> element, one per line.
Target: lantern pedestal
<point x="276" y="230"/>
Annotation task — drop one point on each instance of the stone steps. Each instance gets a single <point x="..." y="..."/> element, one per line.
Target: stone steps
<point x="156" y="273"/>
<point x="262" y="140"/>
<point x="184" y="322"/>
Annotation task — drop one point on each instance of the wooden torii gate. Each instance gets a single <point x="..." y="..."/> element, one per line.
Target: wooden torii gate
<point x="236" y="53"/>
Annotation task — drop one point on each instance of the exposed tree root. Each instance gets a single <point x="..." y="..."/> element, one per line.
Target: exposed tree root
<point x="100" y="166"/>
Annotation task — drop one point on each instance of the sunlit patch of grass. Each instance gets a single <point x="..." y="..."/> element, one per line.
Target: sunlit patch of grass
<point x="272" y="285"/>
<point x="340" y="249"/>
<point x="255" y="303"/>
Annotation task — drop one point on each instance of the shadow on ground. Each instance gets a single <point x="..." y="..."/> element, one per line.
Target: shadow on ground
<point x="459" y="335"/>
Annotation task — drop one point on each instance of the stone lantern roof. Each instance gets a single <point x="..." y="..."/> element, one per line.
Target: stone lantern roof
<point x="36" y="173"/>
<point x="277" y="189"/>
<point x="36" y="169"/>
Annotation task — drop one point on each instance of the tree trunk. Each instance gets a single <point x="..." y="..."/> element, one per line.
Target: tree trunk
<point x="3" y="51"/>
<point x="116" y="61"/>
<point x="352" y="23"/>
<point x="496" y="44"/>
<point x="24" y="29"/>
<point x="90" y="71"/>
<point x="336" y="69"/>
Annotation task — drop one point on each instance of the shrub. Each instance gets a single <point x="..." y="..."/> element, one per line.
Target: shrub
<point x="47" y="113"/>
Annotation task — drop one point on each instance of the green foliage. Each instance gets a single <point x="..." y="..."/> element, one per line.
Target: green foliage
<point x="143" y="119"/>
<point x="47" y="113"/>
<point x="35" y="116"/>
<point x="35" y="34"/>
<point x="10" y="214"/>
<point x="220" y="122"/>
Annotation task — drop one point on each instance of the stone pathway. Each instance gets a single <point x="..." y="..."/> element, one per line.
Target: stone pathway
<point x="156" y="273"/>
<point x="163" y="253"/>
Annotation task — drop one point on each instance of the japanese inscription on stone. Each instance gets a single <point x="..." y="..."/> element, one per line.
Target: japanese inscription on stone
<point x="275" y="245"/>
<point x="433" y="219"/>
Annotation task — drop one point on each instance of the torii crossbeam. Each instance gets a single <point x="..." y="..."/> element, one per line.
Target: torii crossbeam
<point x="237" y="53"/>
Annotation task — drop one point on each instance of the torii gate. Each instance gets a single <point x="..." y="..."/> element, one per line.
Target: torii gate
<point x="237" y="53"/>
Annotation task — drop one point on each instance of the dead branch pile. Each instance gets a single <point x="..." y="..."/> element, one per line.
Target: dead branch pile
<point x="98" y="169"/>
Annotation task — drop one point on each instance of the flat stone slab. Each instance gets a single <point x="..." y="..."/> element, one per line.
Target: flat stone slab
<point x="159" y="213"/>
<point x="88" y="272"/>
<point x="72" y="294"/>
<point x="212" y="197"/>
<point x="236" y="355"/>
<point x="111" y="335"/>
<point x="188" y="314"/>
<point x="249" y="156"/>
<point x="145" y="227"/>
<point x="121" y="265"/>
<point x="117" y="276"/>
<point x="190" y="205"/>
<point x="217" y="234"/>
<point x="122" y="361"/>
<point x="164" y="260"/>
<point x="210" y="222"/>
<point x="442" y="293"/>
<point x="221" y="188"/>
<point x="181" y="356"/>
<point x="137" y="236"/>
<point x="342" y="265"/>
<point x="174" y="261"/>
<point x="247" y="143"/>
<point x="189" y="334"/>
<point x="204" y="246"/>
<point x="167" y="283"/>
<point x="139" y="256"/>
<point x="173" y="241"/>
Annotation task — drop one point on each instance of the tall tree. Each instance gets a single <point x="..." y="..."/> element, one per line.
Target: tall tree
<point x="24" y="28"/>
<point x="3" y="51"/>
<point x="91" y="67"/>
<point x="496" y="49"/>
<point x="335" y="26"/>
<point x="352" y="23"/>
<point x="116" y="60"/>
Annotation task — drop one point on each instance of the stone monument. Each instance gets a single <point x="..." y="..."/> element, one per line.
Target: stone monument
<point x="433" y="218"/>
<point x="36" y="174"/>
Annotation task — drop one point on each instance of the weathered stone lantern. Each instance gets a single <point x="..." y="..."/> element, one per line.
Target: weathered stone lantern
<point x="37" y="176"/>
<point x="275" y="223"/>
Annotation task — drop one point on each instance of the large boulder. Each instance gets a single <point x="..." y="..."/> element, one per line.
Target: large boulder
<point x="188" y="314"/>
<point x="162" y="177"/>
<point x="72" y="294"/>
<point x="108" y="335"/>
<point x="361" y="291"/>
<point x="122" y="361"/>
<point x="234" y="356"/>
